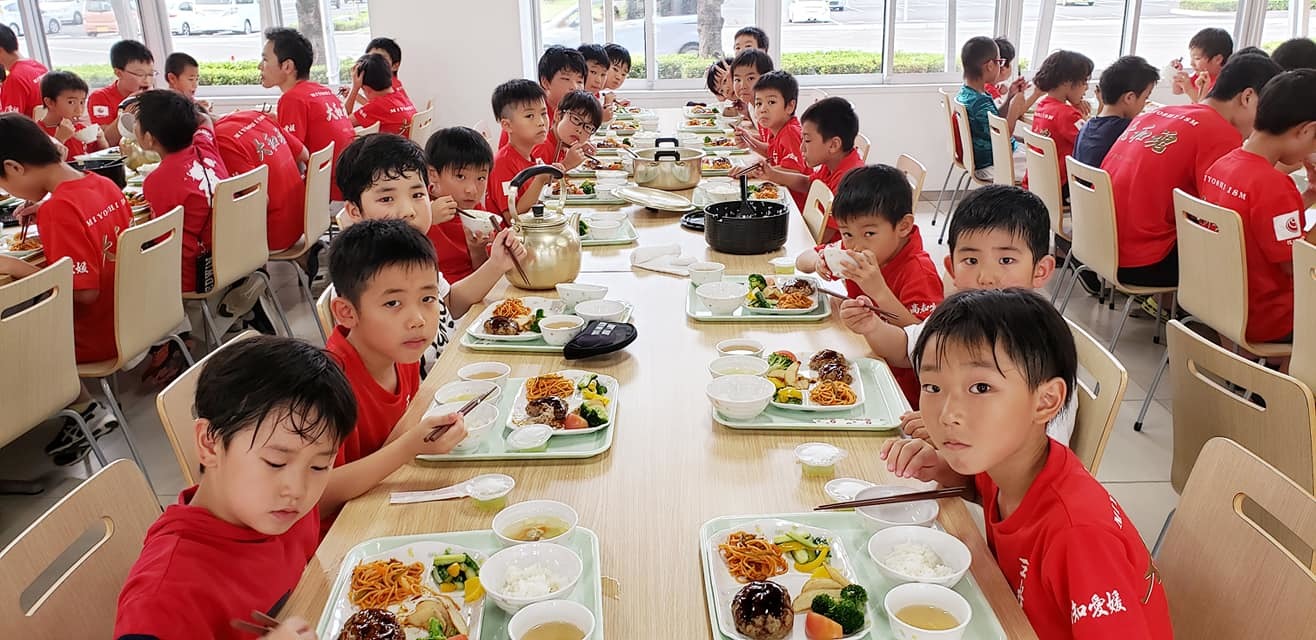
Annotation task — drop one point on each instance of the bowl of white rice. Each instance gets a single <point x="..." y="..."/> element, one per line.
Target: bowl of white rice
<point x="528" y="573"/>
<point x="919" y="554"/>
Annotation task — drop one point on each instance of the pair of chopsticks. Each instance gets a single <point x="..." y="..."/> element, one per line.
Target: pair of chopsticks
<point x="466" y="408"/>
<point x="952" y="492"/>
<point x="498" y="224"/>
<point x="886" y="315"/>
<point x="266" y="623"/>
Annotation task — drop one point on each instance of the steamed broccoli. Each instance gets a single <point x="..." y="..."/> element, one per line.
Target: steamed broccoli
<point x="849" y="615"/>
<point x="757" y="281"/>
<point x="594" y="413"/>
<point x="854" y="593"/>
<point x="822" y="604"/>
<point x="582" y="227"/>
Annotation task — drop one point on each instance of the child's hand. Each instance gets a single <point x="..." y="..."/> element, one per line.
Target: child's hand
<point x="65" y="130"/>
<point x="293" y="628"/>
<point x="756" y="171"/>
<point x="447" y="439"/>
<point x="865" y="272"/>
<point x="1202" y="82"/>
<point x="575" y="155"/>
<point x="1180" y="82"/>
<point x="911" y="458"/>
<point x="609" y="99"/>
<point x="1084" y="109"/>
<point x="1019" y="85"/>
<point x="442" y="209"/>
<point x="858" y="317"/>
<point x="911" y="424"/>
<point x="504" y="246"/>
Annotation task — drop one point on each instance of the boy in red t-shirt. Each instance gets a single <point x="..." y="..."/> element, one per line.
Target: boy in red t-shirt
<point x="597" y="69"/>
<point x="524" y="116"/>
<point x="775" y="95"/>
<point x="1064" y="77"/>
<point x="459" y="162"/>
<point x="995" y="367"/>
<point x="308" y="111"/>
<point x="392" y="53"/>
<point x="81" y="220"/>
<point x="1266" y="199"/>
<point x="579" y="115"/>
<point x="20" y="91"/>
<point x="874" y="209"/>
<point x="134" y="72"/>
<point x="561" y="71"/>
<point x="240" y="539"/>
<point x="392" y="110"/>
<point x="249" y="139"/>
<point x="746" y="68"/>
<point x="1208" y="51"/>
<point x="65" y="96"/>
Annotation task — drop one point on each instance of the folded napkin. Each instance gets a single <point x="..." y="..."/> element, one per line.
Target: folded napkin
<point x="660" y="258"/>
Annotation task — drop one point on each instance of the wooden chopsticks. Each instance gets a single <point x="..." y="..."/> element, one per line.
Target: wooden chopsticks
<point x="466" y="408"/>
<point x="952" y="492"/>
<point x="886" y="315"/>
<point x="264" y="625"/>
<point x="498" y="224"/>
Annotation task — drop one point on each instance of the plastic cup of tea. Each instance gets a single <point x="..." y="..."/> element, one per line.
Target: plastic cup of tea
<point x="783" y="266"/>
<point x="819" y="458"/>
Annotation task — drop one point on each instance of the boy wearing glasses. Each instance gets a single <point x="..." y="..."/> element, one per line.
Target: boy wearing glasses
<point x="982" y="63"/>
<point x="134" y="72"/>
<point x="579" y="116"/>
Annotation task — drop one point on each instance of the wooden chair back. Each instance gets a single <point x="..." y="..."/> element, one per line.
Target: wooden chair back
<point x="952" y="130"/>
<point x="1043" y="162"/>
<point x="147" y="305"/>
<point x="362" y="132"/>
<point x="239" y="227"/>
<point x="319" y="179"/>
<point x="1226" y="573"/>
<point x="1098" y="402"/>
<point x="1002" y="151"/>
<point x="422" y="125"/>
<point x="863" y="144"/>
<point x="176" y="403"/>
<point x="915" y="172"/>
<point x="960" y="118"/>
<point x="116" y="506"/>
<point x="818" y="210"/>
<point x="323" y="313"/>
<point x="39" y="374"/>
<point x="1092" y="209"/>
<point x="1303" y="364"/>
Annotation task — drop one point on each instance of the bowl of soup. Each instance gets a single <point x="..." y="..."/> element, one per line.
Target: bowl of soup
<point x="920" y="611"/>
<point x="738" y="365"/>
<point x="464" y="391"/>
<point x="560" y="329"/>
<point x="495" y="372"/>
<point x="740" y="347"/>
<point x="552" y="620"/>
<point x="535" y="521"/>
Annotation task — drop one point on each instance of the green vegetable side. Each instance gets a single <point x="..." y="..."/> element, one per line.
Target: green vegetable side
<point x="594" y="413"/>
<point x="757" y="282"/>
<point x="591" y="383"/>
<point x="454" y="569"/>
<point x="583" y="228"/>
<point x="848" y="611"/>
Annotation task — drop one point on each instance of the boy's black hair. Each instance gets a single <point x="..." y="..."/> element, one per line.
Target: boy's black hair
<point x="617" y="54"/>
<point x="23" y="141"/>
<point x="515" y="93"/>
<point x="757" y="58"/>
<point x="57" y="82"/>
<point x="782" y="82"/>
<point x="1005" y="48"/>
<point x="458" y="148"/>
<point x="1129" y="73"/>
<point x="582" y="103"/>
<point x="1249" y="71"/>
<point x="1213" y="41"/>
<point x="290" y="44"/>
<point x="710" y="76"/>
<point x="375" y="71"/>
<point x="126" y="52"/>
<point x="387" y="45"/>
<point x="558" y="58"/>
<point x="875" y="190"/>
<point x="364" y="249"/>
<point x="170" y="117"/>
<point x="8" y="39"/>
<point x="178" y="62"/>
<point x="1007" y="208"/>
<point x="238" y="390"/>
<point x="834" y="117"/>
<point x="1251" y="50"/>
<point x="1061" y="67"/>
<point x="1026" y="327"/>
<point x="977" y="51"/>
<point x="1298" y="53"/>
<point x="370" y="159"/>
<point x="594" y="53"/>
<point x="1287" y="101"/>
<point x="760" y="36"/>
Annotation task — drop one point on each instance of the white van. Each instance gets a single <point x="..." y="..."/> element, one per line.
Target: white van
<point x="210" y="16"/>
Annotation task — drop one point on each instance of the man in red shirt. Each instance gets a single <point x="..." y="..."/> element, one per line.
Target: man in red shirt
<point x="1068" y="550"/>
<point x="1170" y="148"/>
<point x="308" y="111"/>
<point x="21" y="89"/>
<point x="520" y="109"/>
<point x="1266" y="199"/>
<point x="134" y="72"/>
<point x="775" y="95"/>
<point x="1064" y="76"/>
<point x="561" y="71"/>
<point x="392" y="110"/>
<point x="249" y="139"/>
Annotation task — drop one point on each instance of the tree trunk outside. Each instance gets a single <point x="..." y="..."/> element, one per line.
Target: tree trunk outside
<point x="710" y="28"/>
<point x="311" y="23"/>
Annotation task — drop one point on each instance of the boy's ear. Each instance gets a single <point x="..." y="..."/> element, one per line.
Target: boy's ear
<point x="11" y="168"/>
<point x="790" y="106"/>
<point x="905" y="226"/>
<point x="434" y="175"/>
<point x="1043" y="270"/>
<point x="1049" y="400"/>
<point x="207" y="444"/>
<point x="505" y="123"/>
<point x="344" y="312"/>
<point x="950" y="266"/>
<point x="353" y="211"/>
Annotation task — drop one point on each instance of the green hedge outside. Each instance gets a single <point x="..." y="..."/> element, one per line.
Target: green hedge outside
<point x="1230" y="6"/>
<point x="690" y="65"/>
<point x="352" y="23"/>
<point x="217" y="74"/>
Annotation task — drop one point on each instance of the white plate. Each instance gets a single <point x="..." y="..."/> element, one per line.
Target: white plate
<point x="688" y="112"/>
<point x="517" y="414"/>
<point x="423" y="552"/>
<point x="857" y="385"/>
<point x="476" y="328"/>
<point x="725" y="585"/>
<point x="782" y="312"/>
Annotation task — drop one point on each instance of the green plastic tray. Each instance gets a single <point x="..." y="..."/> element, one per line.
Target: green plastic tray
<point x="884" y="403"/>
<point x="695" y="310"/>
<point x="983" y="626"/>
<point x="494" y="447"/>
<point x="524" y="346"/>
<point x="493" y="626"/>
<point x="627" y="236"/>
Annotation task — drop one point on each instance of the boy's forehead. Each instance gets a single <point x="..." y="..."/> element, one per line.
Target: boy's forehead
<point x="405" y="180"/>
<point x="72" y="93"/>
<point x="770" y="92"/>
<point x="402" y="275"/>
<point x="942" y="352"/>
<point x="989" y="240"/>
<point x="566" y="74"/>
<point x="288" y="431"/>
<point x="866" y="221"/>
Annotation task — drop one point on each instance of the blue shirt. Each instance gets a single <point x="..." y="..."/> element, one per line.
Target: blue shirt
<point x="978" y="104"/>
<point x="1097" y="137"/>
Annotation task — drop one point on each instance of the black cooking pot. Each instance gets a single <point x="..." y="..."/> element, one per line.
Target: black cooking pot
<point x="112" y="169"/>
<point x="746" y="227"/>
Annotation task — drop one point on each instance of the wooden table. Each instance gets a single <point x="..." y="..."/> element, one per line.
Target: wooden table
<point x="670" y="469"/>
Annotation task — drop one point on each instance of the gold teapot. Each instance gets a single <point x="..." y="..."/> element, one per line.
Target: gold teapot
<point x="552" y="240"/>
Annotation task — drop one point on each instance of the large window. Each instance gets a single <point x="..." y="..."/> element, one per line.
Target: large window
<point x="79" y="34"/>
<point x="840" y="37"/>
<point x="1166" y="26"/>
<point x="1095" y="28"/>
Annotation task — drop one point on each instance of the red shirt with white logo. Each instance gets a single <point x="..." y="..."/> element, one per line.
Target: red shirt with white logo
<point x="21" y="90"/>
<point x="1167" y="149"/>
<point x="1057" y="120"/>
<point x="507" y="163"/>
<point x="833" y="178"/>
<point x="784" y="153"/>
<point x="249" y="139"/>
<point x="312" y="113"/>
<point x="1076" y="563"/>
<point x="377" y="409"/>
<point x="393" y="112"/>
<point x="103" y="104"/>
<point x="188" y="178"/>
<point x="1271" y="209"/>
<point x="82" y="220"/>
<point x="75" y="146"/>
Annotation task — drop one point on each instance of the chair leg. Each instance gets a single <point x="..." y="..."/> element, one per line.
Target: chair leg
<point x="1128" y="305"/>
<point x="1160" y="537"/>
<point x="1151" y="392"/>
<point x="113" y="401"/>
<point x="305" y="285"/>
<point x="182" y="346"/>
<point x="942" y="194"/>
<point x="212" y="332"/>
<point x="1069" y="257"/>
<point x="950" y="209"/>
<point x="278" y="308"/>
<point x="1069" y="291"/>
<point x="86" y="433"/>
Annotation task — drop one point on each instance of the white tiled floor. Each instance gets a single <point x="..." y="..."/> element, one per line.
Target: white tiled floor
<point x="1136" y="467"/>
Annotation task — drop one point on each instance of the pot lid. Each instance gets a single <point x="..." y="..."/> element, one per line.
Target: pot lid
<point x="654" y="198"/>
<point x="686" y="153"/>
<point x="539" y="218"/>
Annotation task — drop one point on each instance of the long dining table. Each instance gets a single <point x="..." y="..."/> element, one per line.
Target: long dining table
<point x="671" y="467"/>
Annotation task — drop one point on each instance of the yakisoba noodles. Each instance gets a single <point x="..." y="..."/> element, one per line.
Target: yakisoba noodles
<point x="751" y="558"/>
<point x="376" y="585"/>
<point x="794" y="301"/>
<point x="832" y="393"/>
<point x="511" y="308"/>
<point x="549" y="385"/>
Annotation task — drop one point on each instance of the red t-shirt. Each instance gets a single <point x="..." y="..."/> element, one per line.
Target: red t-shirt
<point x="397" y="87"/>
<point x="188" y="178"/>
<point x="197" y="572"/>
<point x="1057" y="120"/>
<point x="393" y="112"/>
<point x="312" y="113"/>
<point x="103" y="104"/>
<point x="994" y="90"/>
<point x="21" y="90"/>
<point x="1271" y="210"/>
<point x="449" y="239"/>
<point x="833" y="178"/>
<point x="82" y="220"/>
<point x="1074" y="559"/>
<point x="1167" y="149"/>
<point x="507" y="163"/>
<point x="75" y="146"/>
<point x="548" y="150"/>
<point x="249" y="139"/>
<point x="784" y="153"/>
<point x="377" y="409"/>
<point x="552" y="114"/>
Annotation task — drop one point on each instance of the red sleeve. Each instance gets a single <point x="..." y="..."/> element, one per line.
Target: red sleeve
<point x="1086" y="573"/>
<point x="1067" y="132"/>
<point x="365" y="116"/>
<point x="292" y="117"/>
<point x="920" y="292"/>
<point x="1276" y="221"/>
<point x="788" y="154"/>
<point x="496" y="200"/>
<point x="64" y="234"/>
